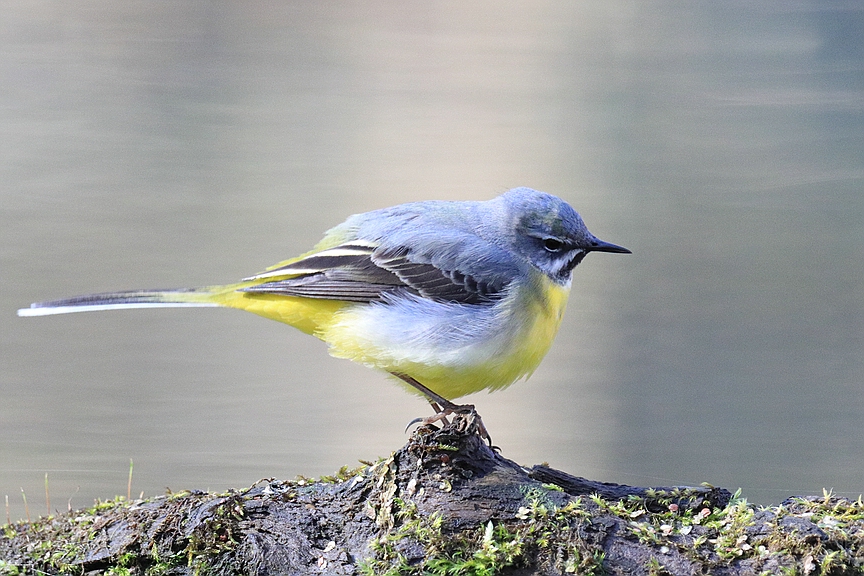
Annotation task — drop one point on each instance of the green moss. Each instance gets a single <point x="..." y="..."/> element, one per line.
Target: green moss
<point x="488" y="548"/>
<point x="343" y="474"/>
<point x="101" y="506"/>
<point x="826" y="537"/>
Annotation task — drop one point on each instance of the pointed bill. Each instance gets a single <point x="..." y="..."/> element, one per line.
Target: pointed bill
<point x="598" y="245"/>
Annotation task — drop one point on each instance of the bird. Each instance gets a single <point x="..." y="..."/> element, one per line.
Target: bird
<point x="449" y="297"/>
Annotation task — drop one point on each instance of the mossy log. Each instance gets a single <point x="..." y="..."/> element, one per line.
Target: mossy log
<point x="444" y="504"/>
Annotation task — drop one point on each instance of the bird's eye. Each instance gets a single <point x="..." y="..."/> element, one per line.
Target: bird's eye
<point x="552" y="244"/>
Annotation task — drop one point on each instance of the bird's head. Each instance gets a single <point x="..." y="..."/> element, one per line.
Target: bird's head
<point x="549" y="233"/>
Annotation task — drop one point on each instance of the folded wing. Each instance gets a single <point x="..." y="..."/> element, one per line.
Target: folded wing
<point x="363" y="272"/>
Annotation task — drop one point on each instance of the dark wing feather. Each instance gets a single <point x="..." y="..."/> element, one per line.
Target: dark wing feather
<point x="435" y="283"/>
<point x="317" y="286"/>
<point x="356" y="273"/>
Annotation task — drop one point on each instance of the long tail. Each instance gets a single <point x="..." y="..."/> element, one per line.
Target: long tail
<point x="181" y="297"/>
<point x="306" y="314"/>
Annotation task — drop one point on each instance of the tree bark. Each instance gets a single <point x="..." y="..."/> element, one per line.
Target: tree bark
<point x="445" y="503"/>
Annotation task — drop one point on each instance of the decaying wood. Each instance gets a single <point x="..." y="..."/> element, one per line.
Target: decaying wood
<point x="445" y="503"/>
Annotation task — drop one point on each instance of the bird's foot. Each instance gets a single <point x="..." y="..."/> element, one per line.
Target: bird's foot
<point x="465" y="415"/>
<point x="465" y="418"/>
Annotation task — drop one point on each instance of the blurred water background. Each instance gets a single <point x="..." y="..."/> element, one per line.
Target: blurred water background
<point x="165" y="144"/>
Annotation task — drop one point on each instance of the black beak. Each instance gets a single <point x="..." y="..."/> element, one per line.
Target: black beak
<point x="601" y="246"/>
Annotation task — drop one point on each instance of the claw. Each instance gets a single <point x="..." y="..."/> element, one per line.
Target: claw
<point x="412" y="422"/>
<point x="439" y="416"/>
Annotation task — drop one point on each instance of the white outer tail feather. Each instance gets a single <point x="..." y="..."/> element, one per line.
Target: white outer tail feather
<point x="50" y="311"/>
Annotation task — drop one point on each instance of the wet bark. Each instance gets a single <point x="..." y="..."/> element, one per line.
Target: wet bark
<point x="445" y="503"/>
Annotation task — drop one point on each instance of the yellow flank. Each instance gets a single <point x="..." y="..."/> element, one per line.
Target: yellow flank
<point x="308" y="315"/>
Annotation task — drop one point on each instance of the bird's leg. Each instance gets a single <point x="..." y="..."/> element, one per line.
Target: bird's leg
<point x="443" y="407"/>
<point x="438" y="402"/>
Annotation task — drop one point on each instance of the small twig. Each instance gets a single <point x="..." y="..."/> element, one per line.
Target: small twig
<point x="26" y="507"/>
<point x="129" y="484"/>
<point x="47" y="495"/>
<point x="69" y="502"/>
